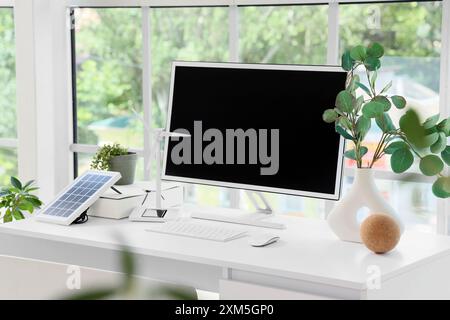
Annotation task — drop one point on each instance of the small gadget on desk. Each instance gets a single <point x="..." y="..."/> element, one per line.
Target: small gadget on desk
<point x="146" y="211"/>
<point x="72" y="203"/>
<point x="263" y="239"/>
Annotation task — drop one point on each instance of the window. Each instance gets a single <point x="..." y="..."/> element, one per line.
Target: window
<point x="8" y="135"/>
<point x="109" y="75"/>
<point x="108" y="78"/>
<point x="191" y="34"/>
<point x="112" y="56"/>
<point x="284" y="34"/>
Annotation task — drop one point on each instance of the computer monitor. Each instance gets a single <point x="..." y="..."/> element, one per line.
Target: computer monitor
<point x="256" y="127"/>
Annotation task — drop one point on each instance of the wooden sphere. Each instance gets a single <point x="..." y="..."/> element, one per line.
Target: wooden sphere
<point x="380" y="233"/>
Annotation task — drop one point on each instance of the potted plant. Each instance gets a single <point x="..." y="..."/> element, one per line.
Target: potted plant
<point x="353" y="116"/>
<point x="114" y="157"/>
<point x="17" y="199"/>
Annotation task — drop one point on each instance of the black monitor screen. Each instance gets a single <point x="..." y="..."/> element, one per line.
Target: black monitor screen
<point x="255" y="127"/>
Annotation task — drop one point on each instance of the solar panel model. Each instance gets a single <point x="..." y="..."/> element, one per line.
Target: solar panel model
<point x="76" y="198"/>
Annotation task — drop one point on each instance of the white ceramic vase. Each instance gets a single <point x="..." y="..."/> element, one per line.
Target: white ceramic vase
<point x="363" y="193"/>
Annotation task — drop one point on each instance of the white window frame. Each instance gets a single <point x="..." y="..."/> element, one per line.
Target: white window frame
<point x="37" y="146"/>
<point x="10" y="143"/>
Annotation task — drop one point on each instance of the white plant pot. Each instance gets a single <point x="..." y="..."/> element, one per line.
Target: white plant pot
<point x="363" y="193"/>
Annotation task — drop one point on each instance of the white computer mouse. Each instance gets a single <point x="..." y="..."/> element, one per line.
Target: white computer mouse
<point x="263" y="239"/>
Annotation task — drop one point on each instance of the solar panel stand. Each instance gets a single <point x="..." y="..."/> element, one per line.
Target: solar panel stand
<point x="82" y="218"/>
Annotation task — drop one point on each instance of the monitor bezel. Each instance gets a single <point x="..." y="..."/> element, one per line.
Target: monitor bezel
<point x="234" y="185"/>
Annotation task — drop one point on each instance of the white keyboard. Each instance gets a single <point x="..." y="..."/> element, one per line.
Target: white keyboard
<point x="197" y="230"/>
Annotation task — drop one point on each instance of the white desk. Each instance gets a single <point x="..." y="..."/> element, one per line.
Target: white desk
<point x="308" y="261"/>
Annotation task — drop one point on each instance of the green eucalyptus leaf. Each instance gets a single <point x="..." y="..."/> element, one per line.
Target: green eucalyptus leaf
<point x="363" y="126"/>
<point x="414" y="131"/>
<point x="372" y="109"/>
<point x="385" y="123"/>
<point x="446" y="155"/>
<point x="440" y="187"/>
<point x="432" y="130"/>
<point x="399" y="101"/>
<point x="431" y="165"/>
<point x="444" y="126"/>
<point x="384" y="101"/>
<point x="329" y="116"/>
<point x="375" y="50"/>
<point x="364" y="87"/>
<point x="343" y="133"/>
<point x="447" y="184"/>
<point x="351" y="154"/>
<point x="431" y="121"/>
<point x="358" y="53"/>
<point x="345" y="101"/>
<point x="440" y="144"/>
<point x="359" y="103"/>
<point x="390" y="149"/>
<point x="430" y="139"/>
<point x="16" y="183"/>
<point x="372" y="63"/>
<point x="347" y="62"/>
<point x="401" y="160"/>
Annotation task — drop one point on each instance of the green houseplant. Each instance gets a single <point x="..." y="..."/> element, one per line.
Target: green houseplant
<point x="361" y="106"/>
<point x="353" y="115"/>
<point x="17" y="198"/>
<point x="114" y="157"/>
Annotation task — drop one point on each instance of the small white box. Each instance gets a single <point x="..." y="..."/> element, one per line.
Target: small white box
<point x="118" y="206"/>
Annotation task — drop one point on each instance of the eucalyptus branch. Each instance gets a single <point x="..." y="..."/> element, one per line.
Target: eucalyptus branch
<point x="360" y="113"/>
<point x="370" y="86"/>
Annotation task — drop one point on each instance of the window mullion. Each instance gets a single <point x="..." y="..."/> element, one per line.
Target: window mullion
<point x="147" y="88"/>
<point x="25" y="90"/>
<point x="443" y="205"/>
<point x="333" y="34"/>
<point x="332" y="57"/>
<point x="233" y="33"/>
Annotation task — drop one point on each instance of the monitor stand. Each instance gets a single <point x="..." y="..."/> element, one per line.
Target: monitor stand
<point x="257" y="218"/>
